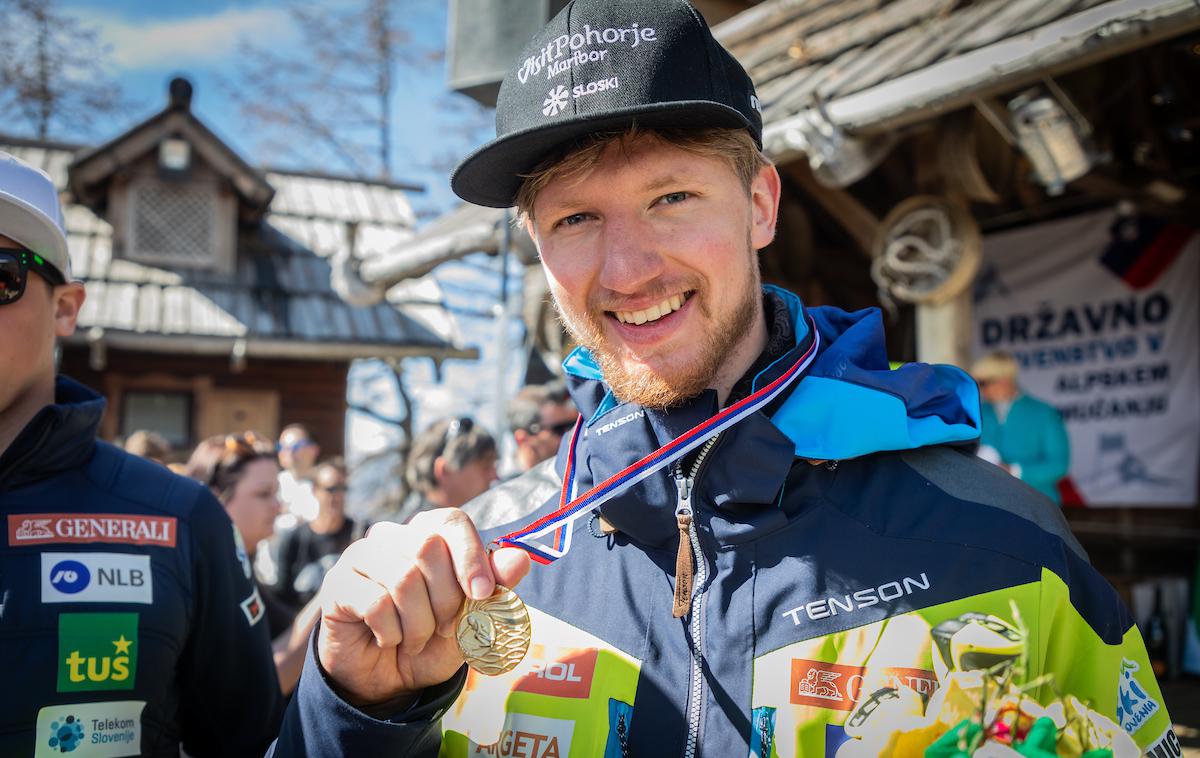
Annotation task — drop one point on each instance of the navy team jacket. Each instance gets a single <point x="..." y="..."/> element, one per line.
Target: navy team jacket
<point x="129" y="622"/>
<point x="843" y="539"/>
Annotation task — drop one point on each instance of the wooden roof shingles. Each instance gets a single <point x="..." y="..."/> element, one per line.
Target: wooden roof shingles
<point x="279" y="292"/>
<point x="804" y="52"/>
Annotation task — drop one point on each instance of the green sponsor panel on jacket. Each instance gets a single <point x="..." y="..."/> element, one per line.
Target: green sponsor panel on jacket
<point x="558" y="703"/>
<point x="97" y="651"/>
<point x="831" y="695"/>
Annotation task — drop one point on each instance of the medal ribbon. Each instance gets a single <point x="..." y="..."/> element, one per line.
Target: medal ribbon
<point x="569" y="510"/>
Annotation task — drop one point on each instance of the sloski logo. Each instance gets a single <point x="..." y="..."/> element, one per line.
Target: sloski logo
<point x="1134" y="706"/>
<point x="556" y="101"/>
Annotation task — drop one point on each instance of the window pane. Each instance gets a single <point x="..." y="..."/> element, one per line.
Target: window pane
<point x="167" y="413"/>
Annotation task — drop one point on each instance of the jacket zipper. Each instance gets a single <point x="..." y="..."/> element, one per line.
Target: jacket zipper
<point x="689" y="554"/>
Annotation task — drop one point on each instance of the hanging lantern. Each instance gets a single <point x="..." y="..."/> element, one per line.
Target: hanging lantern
<point x="1054" y="136"/>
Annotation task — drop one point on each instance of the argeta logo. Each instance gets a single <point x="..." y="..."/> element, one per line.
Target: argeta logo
<point x="70" y="577"/>
<point x="97" y="651"/>
<point x="529" y="737"/>
<point x="555" y="101"/>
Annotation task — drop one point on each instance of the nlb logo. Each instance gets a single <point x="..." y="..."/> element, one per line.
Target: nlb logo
<point x="568" y="674"/>
<point x="95" y="730"/>
<point x="96" y="578"/>
<point x="71" y="528"/>
<point x="97" y="651"/>
<point x="838" y="687"/>
<point x="69" y="577"/>
<point x="526" y="736"/>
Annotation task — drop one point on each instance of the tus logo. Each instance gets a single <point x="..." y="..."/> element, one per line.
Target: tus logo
<point x="97" y="651"/>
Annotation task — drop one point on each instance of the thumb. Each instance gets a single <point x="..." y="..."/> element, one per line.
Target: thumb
<point x="509" y="566"/>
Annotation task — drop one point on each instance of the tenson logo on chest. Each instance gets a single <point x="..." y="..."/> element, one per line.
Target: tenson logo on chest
<point x="864" y="598"/>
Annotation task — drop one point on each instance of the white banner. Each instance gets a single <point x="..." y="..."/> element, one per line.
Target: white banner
<point x="1102" y="314"/>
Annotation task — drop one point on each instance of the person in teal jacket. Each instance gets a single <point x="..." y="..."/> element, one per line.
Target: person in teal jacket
<point x="1021" y="434"/>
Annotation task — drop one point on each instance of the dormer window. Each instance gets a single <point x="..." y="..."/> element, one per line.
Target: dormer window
<point x="174" y="223"/>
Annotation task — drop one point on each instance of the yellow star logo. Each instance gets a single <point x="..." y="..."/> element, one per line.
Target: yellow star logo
<point x="122" y="645"/>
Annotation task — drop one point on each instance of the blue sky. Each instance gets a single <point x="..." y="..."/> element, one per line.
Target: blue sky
<point x="152" y="42"/>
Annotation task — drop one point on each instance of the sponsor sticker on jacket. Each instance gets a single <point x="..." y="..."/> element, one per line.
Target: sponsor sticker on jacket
<point x="97" y="651"/>
<point x="90" y="730"/>
<point x="96" y="578"/>
<point x="77" y="528"/>
<point x="253" y="607"/>
<point x="838" y="687"/>
<point x="528" y="736"/>
<point x="1134" y="706"/>
<point x="567" y="674"/>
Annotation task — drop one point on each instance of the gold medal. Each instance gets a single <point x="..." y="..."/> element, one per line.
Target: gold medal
<point x="493" y="634"/>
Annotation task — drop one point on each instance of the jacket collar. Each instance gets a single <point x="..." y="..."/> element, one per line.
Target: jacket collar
<point x="849" y="404"/>
<point x="59" y="437"/>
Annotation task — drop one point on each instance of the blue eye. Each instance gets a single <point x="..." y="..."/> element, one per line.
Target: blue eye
<point x="573" y="220"/>
<point x="674" y="197"/>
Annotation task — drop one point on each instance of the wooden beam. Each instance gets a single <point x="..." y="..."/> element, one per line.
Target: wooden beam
<point x="855" y="218"/>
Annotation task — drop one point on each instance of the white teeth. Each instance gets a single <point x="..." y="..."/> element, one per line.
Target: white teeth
<point x="653" y="313"/>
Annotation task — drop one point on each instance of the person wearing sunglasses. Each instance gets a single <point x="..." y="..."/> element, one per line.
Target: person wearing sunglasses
<point x="123" y="602"/>
<point x="539" y="415"/>
<point x="449" y="463"/>
<point x="309" y="550"/>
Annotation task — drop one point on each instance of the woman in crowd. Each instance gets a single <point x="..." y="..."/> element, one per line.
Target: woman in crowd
<point x="243" y="472"/>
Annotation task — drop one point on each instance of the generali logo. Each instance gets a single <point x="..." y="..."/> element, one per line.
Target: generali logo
<point x="838" y="687"/>
<point x="74" y="528"/>
<point x="566" y="675"/>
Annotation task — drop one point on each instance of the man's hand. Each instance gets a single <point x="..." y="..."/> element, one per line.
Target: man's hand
<point x="390" y="604"/>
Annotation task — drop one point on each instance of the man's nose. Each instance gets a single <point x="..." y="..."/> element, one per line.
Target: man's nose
<point x="630" y="256"/>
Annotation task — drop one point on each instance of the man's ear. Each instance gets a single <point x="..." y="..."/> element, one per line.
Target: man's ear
<point x="68" y="301"/>
<point x="439" y="470"/>
<point x="764" y="206"/>
<point x="520" y="435"/>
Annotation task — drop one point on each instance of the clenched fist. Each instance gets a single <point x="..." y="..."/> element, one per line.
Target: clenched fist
<point x="390" y="604"/>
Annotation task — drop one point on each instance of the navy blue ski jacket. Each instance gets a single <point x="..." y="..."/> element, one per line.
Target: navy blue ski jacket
<point x="129" y="621"/>
<point x="843" y="543"/>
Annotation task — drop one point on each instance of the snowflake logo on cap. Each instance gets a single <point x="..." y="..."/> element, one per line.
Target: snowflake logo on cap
<point x="556" y="100"/>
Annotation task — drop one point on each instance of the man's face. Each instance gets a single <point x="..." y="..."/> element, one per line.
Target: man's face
<point x="28" y="328"/>
<point x="552" y="419"/>
<point x="651" y="258"/>
<point x="474" y="478"/>
<point x="296" y="450"/>
<point x="329" y="487"/>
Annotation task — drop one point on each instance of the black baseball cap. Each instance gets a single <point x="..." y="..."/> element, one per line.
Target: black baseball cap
<point x="602" y="65"/>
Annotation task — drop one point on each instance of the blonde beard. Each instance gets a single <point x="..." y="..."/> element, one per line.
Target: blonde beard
<point x="643" y="385"/>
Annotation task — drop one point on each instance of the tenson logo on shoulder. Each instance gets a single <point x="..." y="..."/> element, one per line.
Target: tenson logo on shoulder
<point x="72" y="528"/>
<point x="574" y="45"/>
<point x="864" y="598"/>
<point x="606" y="428"/>
<point x="96" y="578"/>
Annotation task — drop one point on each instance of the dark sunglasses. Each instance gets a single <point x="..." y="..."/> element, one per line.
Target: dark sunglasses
<point x="15" y="265"/>
<point x="558" y="429"/>
<point x="335" y="489"/>
<point x="456" y="427"/>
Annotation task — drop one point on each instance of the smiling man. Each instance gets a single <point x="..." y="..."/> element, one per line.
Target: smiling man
<point x="758" y="540"/>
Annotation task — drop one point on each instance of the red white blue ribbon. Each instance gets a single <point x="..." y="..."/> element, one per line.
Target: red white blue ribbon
<point x="558" y="524"/>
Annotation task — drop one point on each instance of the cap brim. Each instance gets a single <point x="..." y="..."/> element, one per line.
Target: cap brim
<point x="23" y="223"/>
<point x="492" y="175"/>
